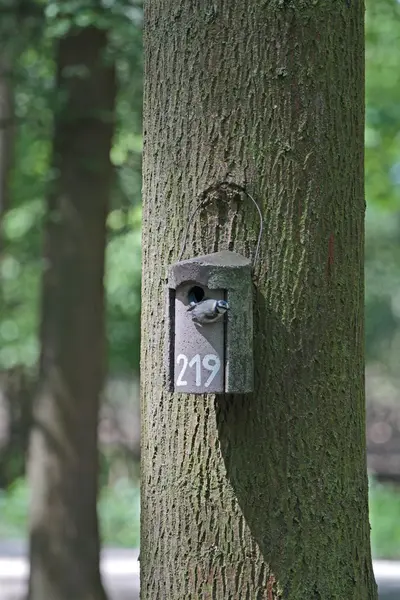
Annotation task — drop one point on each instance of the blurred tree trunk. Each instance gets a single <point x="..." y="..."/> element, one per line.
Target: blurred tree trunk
<point x="16" y="392"/>
<point x="261" y="496"/>
<point x="64" y="538"/>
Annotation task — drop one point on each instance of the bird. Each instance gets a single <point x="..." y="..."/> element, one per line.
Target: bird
<point x="208" y="310"/>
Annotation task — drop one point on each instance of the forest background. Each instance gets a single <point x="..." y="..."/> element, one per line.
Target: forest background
<point x="28" y="105"/>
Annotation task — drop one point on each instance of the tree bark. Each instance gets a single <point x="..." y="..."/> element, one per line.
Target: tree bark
<point x="263" y="496"/>
<point x="64" y="539"/>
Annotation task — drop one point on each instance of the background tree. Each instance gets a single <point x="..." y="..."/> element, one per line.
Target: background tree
<point x="29" y="31"/>
<point x="262" y="496"/>
<point x="64" y="540"/>
<point x="36" y="101"/>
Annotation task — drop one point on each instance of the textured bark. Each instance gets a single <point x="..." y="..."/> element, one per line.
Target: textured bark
<point x="262" y="496"/>
<point x="64" y="539"/>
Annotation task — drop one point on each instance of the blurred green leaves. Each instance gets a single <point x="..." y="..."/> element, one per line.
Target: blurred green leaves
<point x="118" y="508"/>
<point x="36" y="100"/>
<point x="119" y="514"/>
<point x="20" y="279"/>
<point x="384" y="504"/>
<point x="382" y="153"/>
<point x="14" y="510"/>
<point x="382" y="180"/>
<point x="123" y="273"/>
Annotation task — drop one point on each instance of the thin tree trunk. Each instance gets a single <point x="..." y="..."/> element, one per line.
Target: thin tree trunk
<point x="263" y="496"/>
<point x="16" y="387"/>
<point x="64" y="539"/>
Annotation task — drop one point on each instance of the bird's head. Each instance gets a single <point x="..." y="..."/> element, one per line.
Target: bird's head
<point x="222" y="306"/>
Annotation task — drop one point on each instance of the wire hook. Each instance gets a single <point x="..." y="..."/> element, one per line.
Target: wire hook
<point x="204" y="198"/>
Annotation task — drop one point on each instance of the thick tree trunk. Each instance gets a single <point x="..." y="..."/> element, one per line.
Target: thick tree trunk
<point x="260" y="496"/>
<point x="64" y="531"/>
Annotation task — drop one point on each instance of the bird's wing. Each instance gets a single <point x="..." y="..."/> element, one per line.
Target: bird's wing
<point x="211" y="317"/>
<point x="210" y="314"/>
<point x="206" y="314"/>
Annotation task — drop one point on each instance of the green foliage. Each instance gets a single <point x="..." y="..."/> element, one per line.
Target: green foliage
<point x="382" y="277"/>
<point x="382" y="156"/>
<point x="14" y="511"/>
<point x="123" y="288"/>
<point x="20" y="286"/>
<point x="119" y="514"/>
<point x="382" y="179"/>
<point x="384" y="504"/>
<point x="118" y="508"/>
<point x="30" y="30"/>
<point x="35" y="103"/>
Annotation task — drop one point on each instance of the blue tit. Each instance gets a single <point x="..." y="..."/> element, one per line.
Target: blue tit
<point x="208" y="310"/>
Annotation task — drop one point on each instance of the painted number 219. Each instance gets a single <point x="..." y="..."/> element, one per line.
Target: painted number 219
<point x="210" y="362"/>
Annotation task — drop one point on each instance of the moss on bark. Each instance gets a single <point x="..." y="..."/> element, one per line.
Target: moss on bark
<point x="262" y="496"/>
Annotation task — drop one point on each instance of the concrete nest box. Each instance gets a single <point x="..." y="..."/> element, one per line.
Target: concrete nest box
<point x="209" y="325"/>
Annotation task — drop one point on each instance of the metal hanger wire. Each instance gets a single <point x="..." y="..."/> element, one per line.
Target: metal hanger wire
<point x="205" y="198"/>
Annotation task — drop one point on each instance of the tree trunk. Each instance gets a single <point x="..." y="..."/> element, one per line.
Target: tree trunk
<point x="64" y="539"/>
<point x="16" y="391"/>
<point x="262" y="496"/>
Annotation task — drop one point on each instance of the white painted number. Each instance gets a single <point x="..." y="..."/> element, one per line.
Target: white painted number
<point x="182" y="358"/>
<point x="210" y="362"/>
<point x="196" y="361"/>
